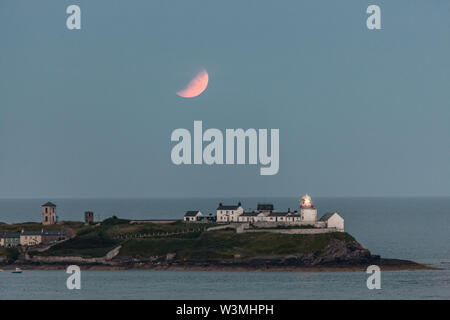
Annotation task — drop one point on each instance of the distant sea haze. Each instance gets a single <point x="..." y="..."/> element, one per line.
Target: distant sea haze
<point x="406" y="228"/>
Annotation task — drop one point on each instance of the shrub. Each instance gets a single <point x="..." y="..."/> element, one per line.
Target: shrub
<point x="114" y="221"/>
<point x="12" y="254"/>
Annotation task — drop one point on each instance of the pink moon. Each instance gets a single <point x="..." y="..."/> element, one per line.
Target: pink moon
<point x="196" y="86"/>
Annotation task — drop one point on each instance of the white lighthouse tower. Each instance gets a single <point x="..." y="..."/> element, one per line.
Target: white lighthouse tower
<point x="307" y="211"/>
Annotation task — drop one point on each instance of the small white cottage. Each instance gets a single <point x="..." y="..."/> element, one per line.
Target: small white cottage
<point x="333" y="220"/>
<point x="192" y="216"/>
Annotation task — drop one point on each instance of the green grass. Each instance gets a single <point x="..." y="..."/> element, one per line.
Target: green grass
<point x="152" y="228"/>
<point x="225" y="244"/>
<point x="86" y="247"/>
<point x="96" y="241"/>
<point x="113" y="221"/>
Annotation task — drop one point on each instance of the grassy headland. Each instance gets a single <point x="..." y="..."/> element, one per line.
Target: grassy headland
<point x="227" y="244"/>
<point x="189" y="245"/>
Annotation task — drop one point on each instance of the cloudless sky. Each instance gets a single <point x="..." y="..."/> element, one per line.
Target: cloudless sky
<point x="89" y="113"/>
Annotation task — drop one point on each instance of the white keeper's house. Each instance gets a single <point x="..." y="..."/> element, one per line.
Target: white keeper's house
<point x="229" y="213"/>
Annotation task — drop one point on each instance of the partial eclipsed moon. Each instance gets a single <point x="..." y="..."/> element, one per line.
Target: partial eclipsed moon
<point x="196" y="86"/>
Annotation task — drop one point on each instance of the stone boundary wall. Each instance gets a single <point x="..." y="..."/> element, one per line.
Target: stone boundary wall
<point x="243" y="227"/>
<point x="125" y="236"/>
<point x="296" y="231"/>
<point x="239" y="227"/>
<point x="201" y="221"/>
<point x="267" y="224"/>
<point x="67" y="259"/>
<point x="154" y="221"/>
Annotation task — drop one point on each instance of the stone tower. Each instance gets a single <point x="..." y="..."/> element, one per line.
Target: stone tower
<point x="88" y="217"/>
<point x="48" y="213"/>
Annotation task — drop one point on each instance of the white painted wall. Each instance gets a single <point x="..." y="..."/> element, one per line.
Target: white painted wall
<point x="191" y="219"/>
<point x="308" y="214"/>
<point x="229" y="215"/>
<point x="336" y="221"/>
<point x="28" y="240"/>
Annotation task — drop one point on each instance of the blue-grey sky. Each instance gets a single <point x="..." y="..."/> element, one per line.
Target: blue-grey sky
<point x="89" y="113"/>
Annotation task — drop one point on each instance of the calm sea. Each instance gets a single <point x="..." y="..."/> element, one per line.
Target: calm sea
<point x="407" y="228"/>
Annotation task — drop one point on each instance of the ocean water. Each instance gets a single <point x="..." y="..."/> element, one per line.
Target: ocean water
<point x="406" y="228"/>
<point x="203" y="285"/>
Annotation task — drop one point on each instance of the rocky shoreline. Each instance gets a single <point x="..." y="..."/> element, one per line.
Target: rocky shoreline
<point x="384" y="264"/>
<point x="338" y="256"/>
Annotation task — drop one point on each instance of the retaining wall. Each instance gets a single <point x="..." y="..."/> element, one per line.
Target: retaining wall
<point x="267" y="224"/>
<point x="296" y="231"/>
<point x="239" y="227"/>
<point x="67" y="259"/>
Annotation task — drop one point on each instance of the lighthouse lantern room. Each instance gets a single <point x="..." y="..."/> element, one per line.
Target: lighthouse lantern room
<point x="307" y="211"/>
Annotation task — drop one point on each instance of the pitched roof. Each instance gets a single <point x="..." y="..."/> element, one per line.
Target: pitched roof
<point x="44" y="233"/>
<point x="249" y="214"/>
<point x="265" y="207"/>
<point x="327" y="216"/>
<point x="31" y="233"/>
<point x="294" y="214"/>
<point x="191" y="213"/>
<point x="10" y="235"/>
<point x="278" y="214"/>
<point x="228" y="207"/>
<point x="48" y="204"/>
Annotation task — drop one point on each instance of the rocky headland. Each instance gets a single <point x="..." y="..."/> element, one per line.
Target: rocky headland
<point x="116" y="244"/>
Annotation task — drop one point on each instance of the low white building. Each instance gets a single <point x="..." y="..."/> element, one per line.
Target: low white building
<point x="285" y="217"/>
<point x="293" y="217"/>
<point x="229" y="213"/>
<point x="333" y="220"/>
<point x="30" y="238"/>
<point x="275" y="217"/>
<point x="265" y="208"/>
<point x="192" y="216"/>
<point x="253" y="216"/>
